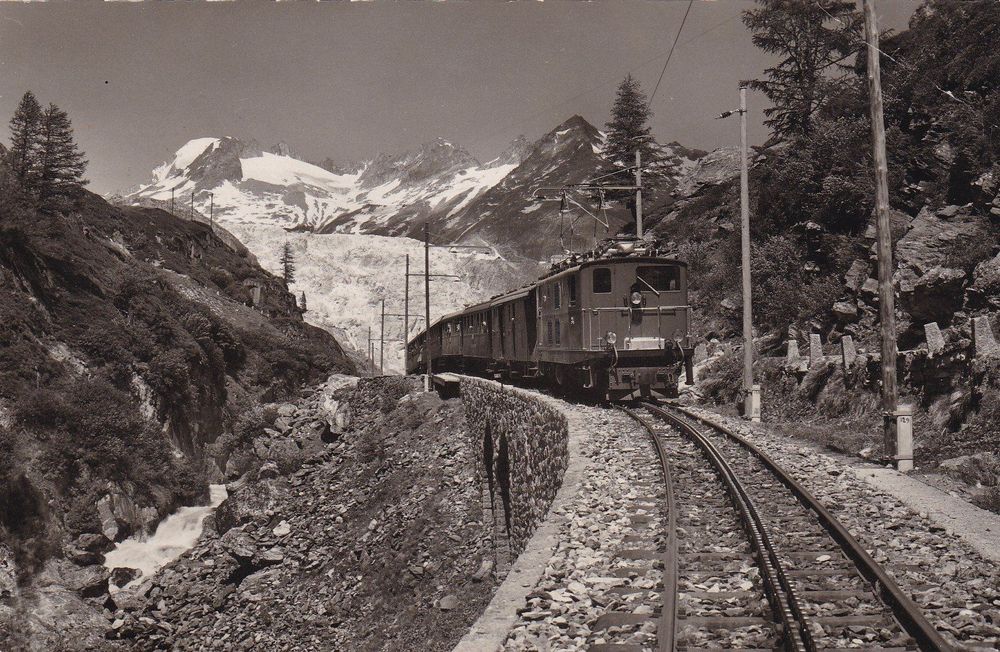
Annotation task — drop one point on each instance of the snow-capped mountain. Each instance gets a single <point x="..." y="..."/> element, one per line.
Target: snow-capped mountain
<point x="336" y="216"/>
<point x="388" y="195"/>
<point x="511" y="217"/>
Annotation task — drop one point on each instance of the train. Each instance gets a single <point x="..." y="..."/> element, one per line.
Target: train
<point x="608" y="324"/>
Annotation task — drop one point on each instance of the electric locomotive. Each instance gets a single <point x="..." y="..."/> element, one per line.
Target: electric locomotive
<point x="610" y="323"/>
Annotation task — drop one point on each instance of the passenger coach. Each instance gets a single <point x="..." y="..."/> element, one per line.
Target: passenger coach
<point x="609" y="324"/>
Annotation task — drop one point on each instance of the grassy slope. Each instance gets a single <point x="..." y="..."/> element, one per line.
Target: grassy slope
<point x="121" y="356"/>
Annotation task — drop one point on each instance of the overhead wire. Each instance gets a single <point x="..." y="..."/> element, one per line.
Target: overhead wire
<point x="671" y="53"/>
<point x="607" y="80"/>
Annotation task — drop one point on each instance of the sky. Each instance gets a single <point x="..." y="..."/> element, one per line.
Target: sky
<point x="350" y="80"/>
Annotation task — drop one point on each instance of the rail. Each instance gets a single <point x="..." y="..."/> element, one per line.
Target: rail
<point x="667" y="627"/>
<point x="905" y="610"/>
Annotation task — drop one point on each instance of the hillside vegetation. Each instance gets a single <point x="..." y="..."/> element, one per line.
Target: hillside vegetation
<point x="813" y="263"/>
<point x="128" y="352"/>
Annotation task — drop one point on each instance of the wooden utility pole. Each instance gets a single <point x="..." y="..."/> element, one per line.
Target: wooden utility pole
<point x="751" y="396"/>
<point x="427" y="306"/>
<point x="211" y="211"/>
<point x="191" y="210"/>
<point x="381" y="344"/>
<point x="638" y="196"/>
<point x="886" y="306"/>
<point x="171" y="201"/>
<point x="371" y="356"/>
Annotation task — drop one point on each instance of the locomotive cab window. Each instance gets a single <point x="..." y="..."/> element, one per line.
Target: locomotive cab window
<point x="557" y="293"/>
<point x="602" y="280"/>
<point x="571" y="283"/>
<point x="662" y="278"/>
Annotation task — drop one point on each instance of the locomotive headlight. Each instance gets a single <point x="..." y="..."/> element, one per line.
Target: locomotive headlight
<point x="610" y="337"/>
<point x="636" y="299"/>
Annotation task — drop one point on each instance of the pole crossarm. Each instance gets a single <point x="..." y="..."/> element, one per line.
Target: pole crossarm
<point x="582" y="186"/>
<point x="436" y="275"/>
<point x="461" y="246"/>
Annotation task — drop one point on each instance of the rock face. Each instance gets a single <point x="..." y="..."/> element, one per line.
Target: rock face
<point x="935" y="295"/>
<point x="932" y="238"/>
<point x="985" y="288"/>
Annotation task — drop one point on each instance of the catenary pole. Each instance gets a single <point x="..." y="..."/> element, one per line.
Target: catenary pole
<point x="887" y="311"/>
<point x="638" y="196"/>
<point x="427" y="306"/>
<point x="211" y="211"/>
<point x="171" y="201"/>
<point x="371" y="358"/>
<point x="751" y="394"/>
<point x="406" y="312"/>
<point x="381" y="344"/>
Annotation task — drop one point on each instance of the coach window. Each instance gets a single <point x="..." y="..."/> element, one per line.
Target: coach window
<point x="571" y="283"/>
<point x="557" y="290"/>
<point x="602" y="280"/>
<point x="557" y="333"/>
<point x="548" y="332"/>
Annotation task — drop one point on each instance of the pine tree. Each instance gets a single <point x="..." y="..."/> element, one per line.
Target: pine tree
<point x="25" y="131"/>
<point x="302" y="302"/>
<point x="811" y="38"/>
<point x="287" y="261"/>
<point x="60" y="164"/>
<point x="629" y="128"/>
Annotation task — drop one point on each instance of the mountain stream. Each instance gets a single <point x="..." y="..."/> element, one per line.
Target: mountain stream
<point x="174" y="535"/>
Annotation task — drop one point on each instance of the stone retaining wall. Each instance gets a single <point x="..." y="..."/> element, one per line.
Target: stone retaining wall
<point x="523" y="445"/>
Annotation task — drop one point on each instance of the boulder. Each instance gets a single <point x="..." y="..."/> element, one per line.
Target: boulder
<point x="268" y="470"/>
<point x="84" y="557"/>
<point x="120" y="516"/>
<point x="286" y="453"/>
<point x="855" y="276"/>
<point x="899" y="222"/>
<point x="88" y="582"/>
<point x="933" y="238"/>
<point x="845" y="311"/>
<point x="122" y="576"/>
<point x="869" y="290"/>
<point x="244" y="504"/>
<point x="94" y="542"/>
<point x="287" y="410"/>
<point x="984" y="292"/>
<point x="934" y="295"/>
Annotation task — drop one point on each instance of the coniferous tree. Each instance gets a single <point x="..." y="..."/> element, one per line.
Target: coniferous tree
<point x="60" y="164"/>
<point x="25" y="131"/>
<point x="812" y="38"/>
<point x="287" y="261"/>
<point x="629" y="128"/>
<point x="302" y="302"/>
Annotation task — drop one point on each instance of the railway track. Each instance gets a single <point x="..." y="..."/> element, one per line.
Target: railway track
<point x="749" y="559"/>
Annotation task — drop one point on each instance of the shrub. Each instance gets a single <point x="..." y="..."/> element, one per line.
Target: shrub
<point x="722" y="378"/>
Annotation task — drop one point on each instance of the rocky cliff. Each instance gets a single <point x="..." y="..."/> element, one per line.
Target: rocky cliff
<point x="133" y="345"/>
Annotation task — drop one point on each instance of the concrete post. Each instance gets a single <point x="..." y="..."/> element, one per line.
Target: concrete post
<point x="793" y="352"/>
<point x="815" y="349"/>
<point x="904" y="438"/>
<point x="847" y="351"/>
<point x="935" y="341"/>
<point x="983" y="339"/>
<point x="753" y="404"/>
